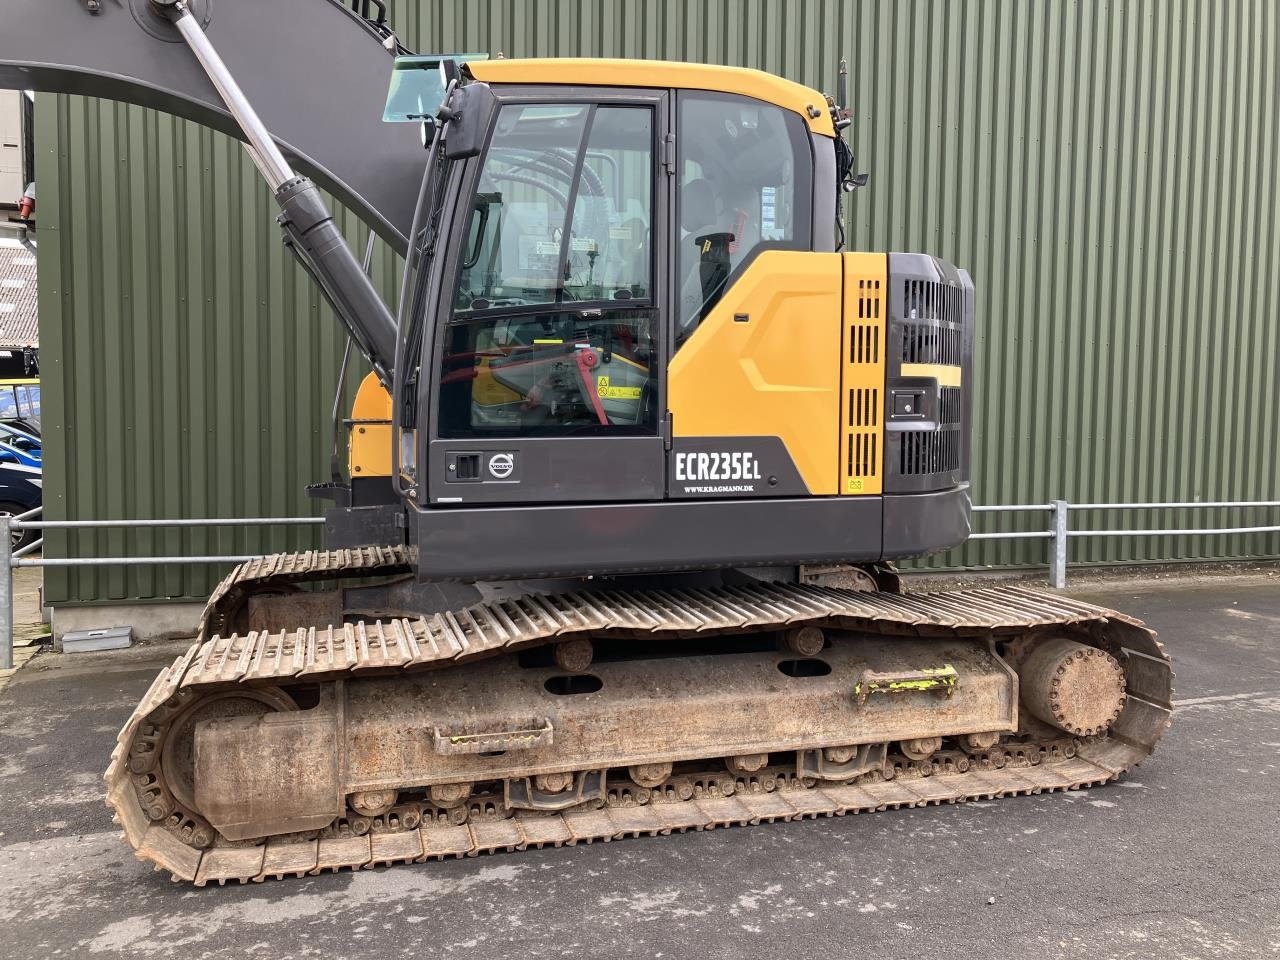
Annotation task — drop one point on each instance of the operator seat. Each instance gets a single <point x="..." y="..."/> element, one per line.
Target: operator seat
<point x="699" y="212"/>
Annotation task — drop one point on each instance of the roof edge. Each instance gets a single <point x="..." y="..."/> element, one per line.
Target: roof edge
<point x="746" y="81"/>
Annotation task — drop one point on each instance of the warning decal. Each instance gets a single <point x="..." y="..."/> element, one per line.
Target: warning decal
<point x="605" y="391"/>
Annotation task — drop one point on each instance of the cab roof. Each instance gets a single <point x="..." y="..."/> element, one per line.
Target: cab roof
<point x="661" y="74"/>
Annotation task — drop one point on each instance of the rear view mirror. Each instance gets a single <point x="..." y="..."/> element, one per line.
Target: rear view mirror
<point x="473" y="106"/>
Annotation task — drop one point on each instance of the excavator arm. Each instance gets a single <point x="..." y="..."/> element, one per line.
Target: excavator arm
<point x="264" y="74"/>
<point x="315" y="72"/>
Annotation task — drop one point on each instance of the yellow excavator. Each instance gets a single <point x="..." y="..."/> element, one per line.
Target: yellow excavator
<point x="613" y="555"/>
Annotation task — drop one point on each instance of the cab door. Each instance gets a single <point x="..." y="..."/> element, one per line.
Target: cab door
<point x="549" y="378"/>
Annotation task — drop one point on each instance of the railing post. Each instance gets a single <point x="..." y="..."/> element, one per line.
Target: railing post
<point x="6" y="592"/>
<point x="1058" y="546"/>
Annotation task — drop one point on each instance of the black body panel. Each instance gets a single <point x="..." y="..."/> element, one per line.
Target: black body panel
<point x="917" y="524"/>
<point x="545" y="469"/>
<point x="575" y="541"/>
<point x="504" y="542"/>
<point x="371" y="526"/>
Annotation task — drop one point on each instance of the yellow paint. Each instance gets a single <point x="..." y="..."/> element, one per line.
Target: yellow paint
<point x="662" y="74"/>
<point x="862" y="362"/>
<point x="947" y="375"/>
<point x="777" y="374"/>
<point x="369" y="439"/>
<point x="930" y="678"/>
<point x="486" y="390"/>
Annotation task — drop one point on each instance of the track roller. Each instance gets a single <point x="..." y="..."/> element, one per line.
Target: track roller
<point x="650" y="774"/>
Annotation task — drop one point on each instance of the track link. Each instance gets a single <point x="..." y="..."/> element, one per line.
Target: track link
<point x="287" y="570"/>
<point x="174" y="843"/>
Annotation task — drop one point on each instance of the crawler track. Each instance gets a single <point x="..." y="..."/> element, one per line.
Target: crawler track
<point x="175" y="839"/>
<point x="289" y="570"/>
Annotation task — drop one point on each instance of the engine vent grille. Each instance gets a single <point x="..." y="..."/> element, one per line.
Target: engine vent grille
<point x="932" y="322"/>
<point x="864" y="343"/>
<point x="949" y="406"/>
<point x="863" y="447"/>
<point x="929" y="451"/>
<point x="862" y="443"/>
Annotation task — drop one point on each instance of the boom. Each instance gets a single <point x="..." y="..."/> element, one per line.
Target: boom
<point x="151" y="50"/>
<point x="326" y="121"/>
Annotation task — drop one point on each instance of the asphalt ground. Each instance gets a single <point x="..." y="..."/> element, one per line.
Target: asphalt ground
<point x="1179" y="859"/>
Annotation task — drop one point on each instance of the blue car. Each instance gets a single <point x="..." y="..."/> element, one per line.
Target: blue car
<point x="18" y="446"/>
<point x="20" y="491"/>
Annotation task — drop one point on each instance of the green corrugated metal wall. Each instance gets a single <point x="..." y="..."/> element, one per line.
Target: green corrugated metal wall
<point x="1104" y="170"/>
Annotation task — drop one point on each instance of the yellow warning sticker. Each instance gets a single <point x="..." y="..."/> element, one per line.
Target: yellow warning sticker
<point x="605" y="391"/>
<point x="855" y="485"/>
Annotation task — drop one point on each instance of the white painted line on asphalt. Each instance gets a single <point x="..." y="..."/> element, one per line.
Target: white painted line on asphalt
<point x="13" y="284"/>
<point x="1223" y="698"/>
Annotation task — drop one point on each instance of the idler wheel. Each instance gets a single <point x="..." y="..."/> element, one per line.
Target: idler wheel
<point x="1073" y="687"/>
<point x="178" y="753"/>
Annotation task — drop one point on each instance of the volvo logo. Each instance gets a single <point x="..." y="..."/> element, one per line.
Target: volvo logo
<point x="501" y="465"/>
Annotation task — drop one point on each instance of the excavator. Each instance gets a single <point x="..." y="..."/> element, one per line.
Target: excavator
<point x="614" y="553"/>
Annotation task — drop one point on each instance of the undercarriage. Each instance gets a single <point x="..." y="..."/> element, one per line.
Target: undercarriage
<point x="554" y="719"/>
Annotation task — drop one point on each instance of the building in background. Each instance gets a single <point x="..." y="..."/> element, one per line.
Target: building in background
<point x="14" y="173"/>
<point x="1105" y="169"/>
<point x="19" y="312"/>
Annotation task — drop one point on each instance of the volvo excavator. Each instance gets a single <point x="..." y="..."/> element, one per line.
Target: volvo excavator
<point x="614" y="553"/>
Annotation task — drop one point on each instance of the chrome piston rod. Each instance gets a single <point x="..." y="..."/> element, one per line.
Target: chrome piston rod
<point x="261" y="148"/>
<point x="310" y="230"/>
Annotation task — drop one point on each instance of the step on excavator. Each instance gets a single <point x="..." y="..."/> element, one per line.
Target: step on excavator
<point x="613" y="555"/>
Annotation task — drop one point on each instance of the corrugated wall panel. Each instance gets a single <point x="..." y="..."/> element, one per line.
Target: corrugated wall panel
<point x="1104" y="170"/>
<point x="189" y="366"/>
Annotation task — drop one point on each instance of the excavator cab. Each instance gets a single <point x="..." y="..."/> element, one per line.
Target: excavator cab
<point x="625" y="309"/>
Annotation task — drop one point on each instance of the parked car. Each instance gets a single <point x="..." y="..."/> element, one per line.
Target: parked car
<point x="20" y="404"/>
<point x="20" y="491"/>
<point x="18" y="446"/>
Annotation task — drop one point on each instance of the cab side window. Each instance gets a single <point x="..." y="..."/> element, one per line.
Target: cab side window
<point x="745" y="186"/>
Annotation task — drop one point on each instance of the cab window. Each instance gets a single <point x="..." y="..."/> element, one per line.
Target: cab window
<point x="26" y="408"/>
<point x="554" y="329"/>
<point x="744" y="186"/>
<point x="523" y="247"/>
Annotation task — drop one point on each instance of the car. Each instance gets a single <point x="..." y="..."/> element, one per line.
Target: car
<point x="18" y="446"/>
<point x="20" y="404"/>
<point x="20" y="491"/>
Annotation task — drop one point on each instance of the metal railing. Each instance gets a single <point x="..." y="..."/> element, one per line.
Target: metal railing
<point x="1059" y="534"/>
<point x="11" y="558"/>
<point x="1060" y="531"/>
